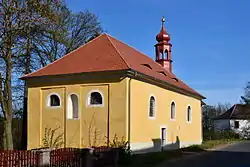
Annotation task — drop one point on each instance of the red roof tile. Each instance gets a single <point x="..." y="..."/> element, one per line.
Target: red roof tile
<point x="106" y="53"/>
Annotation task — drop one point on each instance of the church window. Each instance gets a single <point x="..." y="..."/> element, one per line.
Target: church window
<point x="152" y="107"/>
<point x="95" y="98"/>
<point x="54" y="100"/>
<point x="189" y="114"/>
<point x="73" y="112"/>
<point x="172" y="112"/>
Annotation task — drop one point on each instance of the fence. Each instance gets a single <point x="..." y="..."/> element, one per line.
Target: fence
<point x="64" y="157"/>
<point x="105" y="156"/>
<point x="19" y="158"/>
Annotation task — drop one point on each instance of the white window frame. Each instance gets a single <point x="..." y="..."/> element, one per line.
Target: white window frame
<point x="69" y="98"/>
<point x="89" y="97"/>
<point x="173" y="119"/>
<point x="190" y="121"/>
<point x="48" y="100"/>
<point x="154" y="117"/>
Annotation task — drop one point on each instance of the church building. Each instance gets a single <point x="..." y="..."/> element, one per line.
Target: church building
<point x="106" y="89"/>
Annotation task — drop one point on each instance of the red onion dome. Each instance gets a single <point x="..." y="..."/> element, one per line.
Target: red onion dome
<point x="163" y="35"/>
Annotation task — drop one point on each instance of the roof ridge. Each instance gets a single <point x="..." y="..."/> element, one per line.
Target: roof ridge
<point x="169" y="74"/>
<point x="143" y="54"/>
<point x="233" y="111"/>
<point x="120" y="54"/>
<point x="63" y="56"/>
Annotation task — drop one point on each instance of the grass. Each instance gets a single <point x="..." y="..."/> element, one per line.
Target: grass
<point x="213" y="143"/>
<point x="209" y="144"/>
<point x="155" y="158"/>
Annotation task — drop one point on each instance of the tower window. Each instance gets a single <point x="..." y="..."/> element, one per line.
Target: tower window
<point x="166" y="54"/>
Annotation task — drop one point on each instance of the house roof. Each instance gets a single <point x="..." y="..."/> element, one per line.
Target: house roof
<point x="106" y="53"/>
<point x="237" y="111"/>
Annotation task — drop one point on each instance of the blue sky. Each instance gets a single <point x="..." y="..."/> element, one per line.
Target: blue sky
<point x="211" y="39"/>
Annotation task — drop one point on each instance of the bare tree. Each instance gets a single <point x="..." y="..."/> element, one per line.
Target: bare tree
<point x="37" y="18"/>
<point x="209" y="112"/>
<point x="82" y="27"/>
<point x="32" y="34"/>
<point x="18" y="19"/>
<point x="246" y="98"/>
<point x="9" y="28"/>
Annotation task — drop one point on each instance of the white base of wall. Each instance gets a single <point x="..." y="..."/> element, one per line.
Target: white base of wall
<point x="143" y="147"/>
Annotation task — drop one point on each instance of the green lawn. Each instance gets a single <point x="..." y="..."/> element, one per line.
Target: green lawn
<point x="155" y="158"/>
<point x="209" y="144"/>
<point x="151" y="159"/>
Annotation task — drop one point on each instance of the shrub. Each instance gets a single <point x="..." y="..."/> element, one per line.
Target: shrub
<point x="52" y="139"/>
<point x="220" y="135"/>
<point x="124" y="151"/>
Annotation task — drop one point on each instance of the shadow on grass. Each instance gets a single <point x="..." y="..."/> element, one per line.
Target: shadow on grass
<point x="154" y="158"/>
<point x="157" y="154"/>
<point x="194" y="148"/>
<point x="153" y="155"/>
<point x="222" y="158"/>
<point x="151" y="159"/>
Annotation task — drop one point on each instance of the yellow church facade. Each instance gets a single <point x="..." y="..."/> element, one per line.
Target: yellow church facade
<point x="106" y="89"/>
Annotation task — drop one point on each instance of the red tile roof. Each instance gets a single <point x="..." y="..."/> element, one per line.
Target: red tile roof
<point x="106" y="53"/>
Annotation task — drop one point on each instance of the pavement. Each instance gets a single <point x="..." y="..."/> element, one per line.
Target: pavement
<point x="234" y="155"/>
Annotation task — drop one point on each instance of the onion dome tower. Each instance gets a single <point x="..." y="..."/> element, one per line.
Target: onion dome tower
<point x="163" y="48"/>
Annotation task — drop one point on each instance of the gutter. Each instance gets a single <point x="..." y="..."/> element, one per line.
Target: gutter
<point x="136" y="74"/>
<point x="129" y="112"/>
<point x="129" y="107"/>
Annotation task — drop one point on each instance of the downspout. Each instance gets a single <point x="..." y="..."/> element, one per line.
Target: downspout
<point x="108" y="130"/>
<point x="129" y="111"/>
<point x="65" y="115"/>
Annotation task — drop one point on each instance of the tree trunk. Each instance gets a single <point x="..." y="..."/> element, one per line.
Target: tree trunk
<point x="25" y="114"/>
<point x="8" y="97"/>
<point x="6" y="102"/>
<point x="25" y="95"/>
<point x="8" y="141"/>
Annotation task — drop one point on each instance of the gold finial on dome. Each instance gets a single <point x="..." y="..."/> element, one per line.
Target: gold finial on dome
<point x="163" y="19"/>
<point x="163" y="35"/>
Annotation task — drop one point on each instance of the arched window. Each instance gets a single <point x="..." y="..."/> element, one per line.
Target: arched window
<point x="173" y="114"/>
<point x="95" y="98"/>
<point x="54" y="100"/>
<point x="73" y="107"/>
<point x="166" y="54"/>
<point x="152" y="107"/>
<point x="189" y="114"/>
